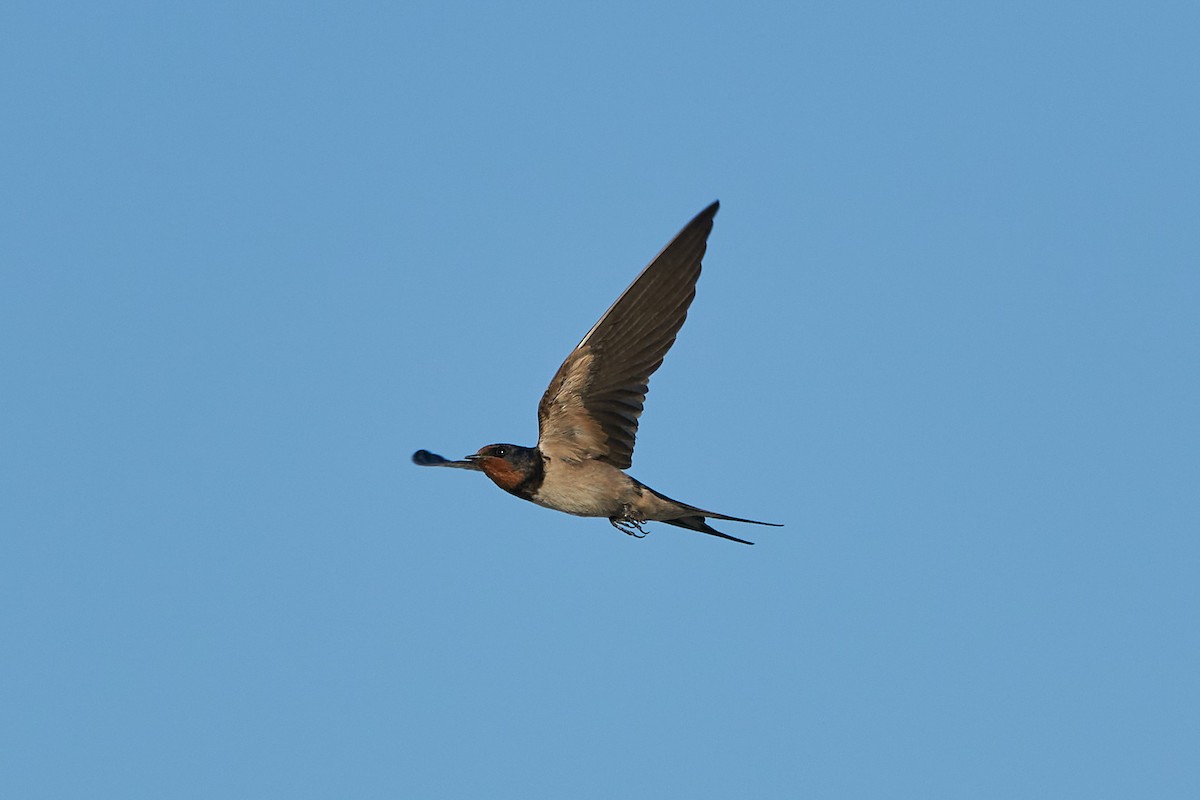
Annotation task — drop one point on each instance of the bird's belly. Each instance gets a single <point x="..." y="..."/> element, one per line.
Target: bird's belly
<point x="585" y="489"/>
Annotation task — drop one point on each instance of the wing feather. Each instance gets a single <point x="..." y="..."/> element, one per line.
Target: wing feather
<point x="592" y="405"/>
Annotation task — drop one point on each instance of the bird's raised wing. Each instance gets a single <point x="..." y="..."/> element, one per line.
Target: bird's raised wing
<point x="591" y="408"/>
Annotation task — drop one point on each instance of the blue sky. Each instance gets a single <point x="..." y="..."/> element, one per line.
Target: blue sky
<point x="254" y="255"/>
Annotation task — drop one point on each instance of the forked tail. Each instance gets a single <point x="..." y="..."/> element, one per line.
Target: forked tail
<point x="697" y="521"/>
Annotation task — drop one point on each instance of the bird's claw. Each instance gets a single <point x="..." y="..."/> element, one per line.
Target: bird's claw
<point x="631" y="526"/>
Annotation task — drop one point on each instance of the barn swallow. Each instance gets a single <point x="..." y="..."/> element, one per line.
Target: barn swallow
<point x="588" y="417"/>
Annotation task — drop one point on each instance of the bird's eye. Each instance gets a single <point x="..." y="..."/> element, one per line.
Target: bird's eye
<point x="501" y="451"/>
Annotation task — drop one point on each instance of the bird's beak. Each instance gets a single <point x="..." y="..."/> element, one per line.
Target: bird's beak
<point x="472" y="458"/>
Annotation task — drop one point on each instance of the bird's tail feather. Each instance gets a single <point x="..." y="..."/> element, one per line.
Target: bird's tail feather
<point x="696" y="521"/>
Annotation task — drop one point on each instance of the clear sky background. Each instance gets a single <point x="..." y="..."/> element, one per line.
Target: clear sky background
<point x="254" y="255"/>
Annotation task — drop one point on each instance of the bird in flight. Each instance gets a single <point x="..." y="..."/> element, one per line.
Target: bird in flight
<point x="588" y="417"/>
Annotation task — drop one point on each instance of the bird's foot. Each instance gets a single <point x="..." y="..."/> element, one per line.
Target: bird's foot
<point x="629" y="524"/>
